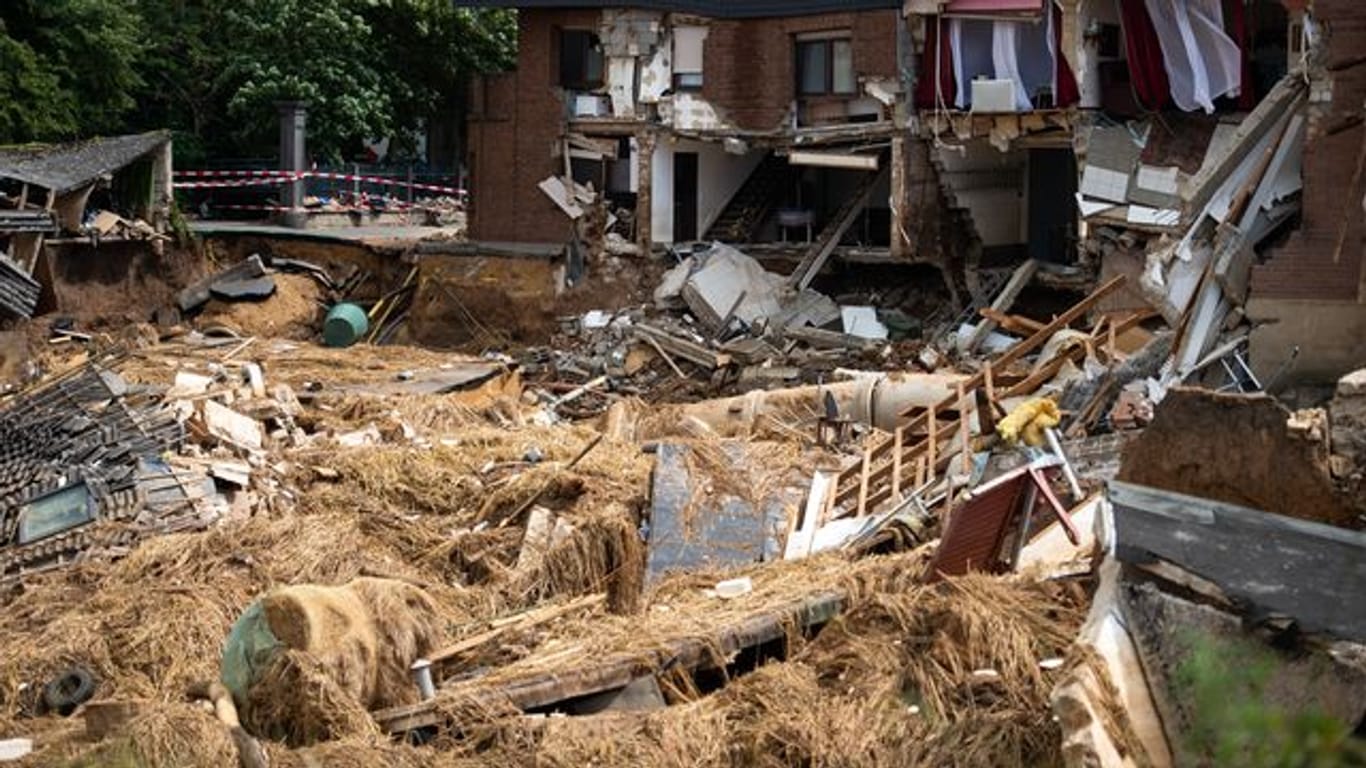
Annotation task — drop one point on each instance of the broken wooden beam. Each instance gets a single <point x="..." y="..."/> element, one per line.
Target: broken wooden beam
<point x="538" y="690"/>
<point x="823" y="339"/>
<point x="1003" y="302"/>
<point x="679" y="347"/>
<point x="524" y="620"/>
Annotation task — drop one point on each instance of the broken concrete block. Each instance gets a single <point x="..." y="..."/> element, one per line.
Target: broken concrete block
<point x="862" y="322"/>
<point x="669" y="293"/>
<point x="930" y="358"/>
<point x="537" y="538"/>
<point x="232" y="427"/>
<point x="1347" y="415"/>
<point x="188" y="384"/>
<point x="15" y="749"/>
<point x="360" y="437"/>
<point x="731" y="284"/>
<point x="199" y="293"/>
<point x="236" y="473"/>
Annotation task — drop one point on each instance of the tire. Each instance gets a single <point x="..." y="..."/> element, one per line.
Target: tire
<point x="72" y="688"/>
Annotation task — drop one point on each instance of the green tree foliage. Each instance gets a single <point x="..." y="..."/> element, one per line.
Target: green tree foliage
<point x="213" y="69"/>
<point x="320" y="53"/>
<point x="69" y="67"/>
<point x="1237" y="723"/>
<point x="434" y="46"/>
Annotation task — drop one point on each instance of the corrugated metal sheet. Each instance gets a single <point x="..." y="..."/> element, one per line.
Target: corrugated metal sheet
<point x="972" y="540"/>
<point x="696" y="524"/>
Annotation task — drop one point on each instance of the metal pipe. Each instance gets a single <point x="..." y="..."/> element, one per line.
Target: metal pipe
<point x="422" y="675"/>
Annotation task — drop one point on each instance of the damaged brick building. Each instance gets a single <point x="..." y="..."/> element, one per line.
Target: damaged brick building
<point x="960" y="133"/>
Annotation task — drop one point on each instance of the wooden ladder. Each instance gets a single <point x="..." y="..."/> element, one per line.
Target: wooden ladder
<point x="917" y="445"/>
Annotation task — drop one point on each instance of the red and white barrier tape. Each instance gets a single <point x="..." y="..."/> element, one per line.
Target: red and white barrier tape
<point x="281" y="177"/>
<point x="285" y="209"/>
<point x="382" y="180"/>
<point x="209" y="174"/>
<point x="262" y="182"/>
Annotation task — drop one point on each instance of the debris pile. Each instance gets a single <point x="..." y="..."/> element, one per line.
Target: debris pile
<point x="719" y="323"/>
<point x="84" y="473"/>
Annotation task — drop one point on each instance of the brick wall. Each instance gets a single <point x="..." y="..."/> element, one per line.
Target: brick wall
<point x="517" y="119"/>
<point x="749" y="63"/>
<point x="515" y="135"/>
<point x="1310" y="264"/>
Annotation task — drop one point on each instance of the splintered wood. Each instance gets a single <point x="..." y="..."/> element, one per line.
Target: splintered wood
<point x="877" y="478"/>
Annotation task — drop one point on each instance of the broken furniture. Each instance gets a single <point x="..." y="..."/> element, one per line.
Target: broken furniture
<point x="914" y="453"/>
<point x="988" y="529"/>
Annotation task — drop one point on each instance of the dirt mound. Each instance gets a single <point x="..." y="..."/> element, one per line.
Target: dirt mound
<point x="1238" y="449"/>
<point x="294" y="311"/>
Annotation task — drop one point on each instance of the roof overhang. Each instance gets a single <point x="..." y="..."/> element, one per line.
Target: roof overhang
<point x="720" y="9"/>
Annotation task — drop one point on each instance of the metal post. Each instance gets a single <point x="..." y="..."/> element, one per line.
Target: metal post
<point x="293" y="158"/>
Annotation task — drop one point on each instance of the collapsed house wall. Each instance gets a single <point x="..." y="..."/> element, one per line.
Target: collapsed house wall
<point x="747" y="87"/>
<point x="1311" y="291"/>
<point x="516" y="122"/>
<point x="756" y="86"/>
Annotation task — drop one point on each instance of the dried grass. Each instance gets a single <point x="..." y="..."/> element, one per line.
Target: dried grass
<point x="604" y="553"/>
<point x="160" y="735"/>
<point x="298" y="700"/>
<point x="152" y="623"/>
<point x="847" y="697"/>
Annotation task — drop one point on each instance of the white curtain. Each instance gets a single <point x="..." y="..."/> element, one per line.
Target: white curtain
<point x="1203" y="63"/>
<point x="972" y="43"/>
<point x="1020" y="51"/>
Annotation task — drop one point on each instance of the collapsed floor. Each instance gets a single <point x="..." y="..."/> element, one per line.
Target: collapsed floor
<point x="516" y="511"/>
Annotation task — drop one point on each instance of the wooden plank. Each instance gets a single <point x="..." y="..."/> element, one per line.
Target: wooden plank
<point x="1003" y="301"/>
<point x="1026" y="346"/>
<point x="1011" y="355"/>
<point x="1012" y="323"/>
<point x="508" y="623"/>
<point x="897" y="438"/>
<point x="1279" y="101"/>
<point x="863" y="483"/>
<point x="964" y="434"/>
<point x="933" y="438"/>
<point x="819" y="252"/>
<point x="543" y="689"/>
<point x="684" y="348"/>
<point x="798" y="544"/>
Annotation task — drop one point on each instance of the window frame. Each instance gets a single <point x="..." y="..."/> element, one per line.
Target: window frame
<point x="582" y="83"/>
<point x="827" y="41"/>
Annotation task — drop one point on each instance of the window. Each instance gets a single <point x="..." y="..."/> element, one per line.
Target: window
<point x="687" y="62"/>
<point x="580" y="60"/>
<point x="55" y="512"/>
<point x="825" y="66"/>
